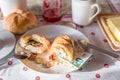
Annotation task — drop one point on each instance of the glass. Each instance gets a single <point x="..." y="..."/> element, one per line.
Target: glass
<point x="8" y="6"/>
<point x="52" y="10"/>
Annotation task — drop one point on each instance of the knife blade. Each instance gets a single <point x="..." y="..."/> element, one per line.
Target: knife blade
<point x="24" y="55"/>
<point x="20" y="56"/>
<point x="87" y="45"/>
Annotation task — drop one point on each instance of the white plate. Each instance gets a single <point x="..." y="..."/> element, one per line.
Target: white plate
<point x="7" y="43"/>
<point x="51" y="31"/>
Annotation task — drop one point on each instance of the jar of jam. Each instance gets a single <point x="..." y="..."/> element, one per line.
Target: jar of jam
<point x="52" y="10"/>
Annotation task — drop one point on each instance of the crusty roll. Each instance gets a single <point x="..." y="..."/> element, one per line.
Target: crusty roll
<point x="20" y="21"/>
<point x="35" y="43"/>
<point x="63" y="47"/>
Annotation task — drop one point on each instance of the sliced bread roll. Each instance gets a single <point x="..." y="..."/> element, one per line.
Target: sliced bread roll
<point x="63" y="47"/>
<point x="35" y="43"/>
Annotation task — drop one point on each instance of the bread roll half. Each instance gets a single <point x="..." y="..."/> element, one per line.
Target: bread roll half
<point x="35" y="43"/>
<point x="63" y="47"/>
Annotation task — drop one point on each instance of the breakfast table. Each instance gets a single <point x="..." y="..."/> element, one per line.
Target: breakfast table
<point x="100" y="67"/>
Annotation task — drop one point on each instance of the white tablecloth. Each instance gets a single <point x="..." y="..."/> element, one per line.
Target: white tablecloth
<point x="101" y="67"/>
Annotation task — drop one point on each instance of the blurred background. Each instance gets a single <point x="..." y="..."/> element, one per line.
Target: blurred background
<point x="36" y="6"/>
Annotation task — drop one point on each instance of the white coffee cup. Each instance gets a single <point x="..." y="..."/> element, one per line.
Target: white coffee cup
<point x="8" y="6"/>
<point x="84" y="11"/>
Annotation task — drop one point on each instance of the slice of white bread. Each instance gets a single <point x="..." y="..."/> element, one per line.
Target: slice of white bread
<point x="114" y="26"/>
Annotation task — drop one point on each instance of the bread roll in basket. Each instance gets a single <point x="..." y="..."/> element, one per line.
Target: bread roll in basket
<point x="20" y="21"/>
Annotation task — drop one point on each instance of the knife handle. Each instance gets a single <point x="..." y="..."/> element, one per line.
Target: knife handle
<point x="85" y="44"/>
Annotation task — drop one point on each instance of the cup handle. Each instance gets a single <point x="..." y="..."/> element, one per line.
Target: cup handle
<point x="97" y="11"/>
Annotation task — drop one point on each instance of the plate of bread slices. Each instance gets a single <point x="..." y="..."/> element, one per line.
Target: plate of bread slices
<point x="52" y="49"/>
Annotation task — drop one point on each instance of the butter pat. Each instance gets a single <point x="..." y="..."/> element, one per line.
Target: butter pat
<point x="114" y="26"/>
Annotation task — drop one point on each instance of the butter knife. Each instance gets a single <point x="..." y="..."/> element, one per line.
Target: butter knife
<point x="87" y="45"/>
